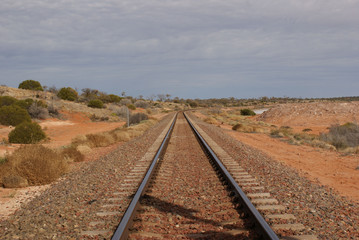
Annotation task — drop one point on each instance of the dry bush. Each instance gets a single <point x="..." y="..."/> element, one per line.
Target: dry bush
<point x="36" y="163"/>
<point x="53" y="111"/>
<point x="244" y="128"/>
<point x="283" y="131"/>
<point x="211" y="120"/>
<point x="37" y="110"/>
<point x="125" y="102"/>
<point x="100" y="139"/>
<point x="121" y="135"/>
<point x="84" y="149"/>
<point x="142" y="104"/>
<point x="342" y="136"/>
<point x="79" y="140"/>
<point x="71" y="154"/>
<point x="14" y="181"/>
<point x="122" y="112"/>
<point x="96" y="118"/>
<point x="83" y="143"/>
<point x="137" y="118"/>
<point x="321" y="144"/>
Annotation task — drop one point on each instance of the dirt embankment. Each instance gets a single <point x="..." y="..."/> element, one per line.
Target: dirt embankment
<point x="317" y="116"/>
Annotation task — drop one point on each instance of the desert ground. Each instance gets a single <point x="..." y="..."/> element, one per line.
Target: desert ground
<point x="336" y="170"/>
<point x="328" y="167"/>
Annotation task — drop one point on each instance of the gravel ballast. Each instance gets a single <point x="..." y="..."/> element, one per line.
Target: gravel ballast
<point x="65" y="210"/>
<point x="323" y="211"/>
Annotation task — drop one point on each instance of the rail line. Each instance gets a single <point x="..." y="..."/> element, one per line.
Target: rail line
<point x="242" y="207"/>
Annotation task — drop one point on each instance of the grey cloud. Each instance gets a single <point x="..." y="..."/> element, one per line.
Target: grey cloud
<point x="166" y="44"/>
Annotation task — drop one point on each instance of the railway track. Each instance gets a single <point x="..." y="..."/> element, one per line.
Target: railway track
<point x="187" y="187"/>
<point x="189" y="193"/>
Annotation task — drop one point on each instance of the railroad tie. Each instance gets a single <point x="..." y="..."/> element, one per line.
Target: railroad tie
<point x="268" y="206"/>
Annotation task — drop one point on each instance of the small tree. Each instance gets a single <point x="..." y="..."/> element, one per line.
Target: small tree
<point x="31" y="85"/>
<point x="27" y="132"/>
<point x="68" y="94"/>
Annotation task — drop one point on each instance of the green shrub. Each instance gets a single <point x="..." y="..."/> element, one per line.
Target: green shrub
<point x="68" y="94"/>
<point x="342" y="136"/>
<point x="7" y="101"/>
<point x="96" y="103"/>
<point x="131" y="106"/>
<point x="114" y="98"/>
<point x="27" y="132"/>
<point x="13" y="115"/>
<point x="25" y="104"/>
<point x="247" y="112"/>
<point x="137" y="118"/>
<point x="31" y="85"/>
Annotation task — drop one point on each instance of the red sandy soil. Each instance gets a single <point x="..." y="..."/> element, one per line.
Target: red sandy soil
<point x="327" y="167"/>
<point x="60" y="133"/>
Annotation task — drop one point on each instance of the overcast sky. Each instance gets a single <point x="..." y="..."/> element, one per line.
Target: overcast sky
<point x="186" y="48"/>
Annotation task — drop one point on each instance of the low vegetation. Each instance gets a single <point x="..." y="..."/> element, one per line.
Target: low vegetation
<point x="13" y="115"/>
<point x="38" y="110"/>
<point x="35" y="163"/>
<point x="242" y="123"/>
<point x="343" y="137"/>
<point x="27" y="133"/>
<point x="137" y="118"/>
<point x="96" y="103"/>
<point x="247" y="112"/>
<point x="131" y="107"/>
<point x="72" y="154"/>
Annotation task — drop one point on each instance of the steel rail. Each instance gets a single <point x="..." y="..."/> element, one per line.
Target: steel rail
<point x="122" y="230"/>
<point x="260" y="223"/>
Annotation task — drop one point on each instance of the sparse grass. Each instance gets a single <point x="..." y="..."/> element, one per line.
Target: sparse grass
<point x="244" y="124"/>
<point x="105" y="139"/>
<point x="283" y="131"/>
